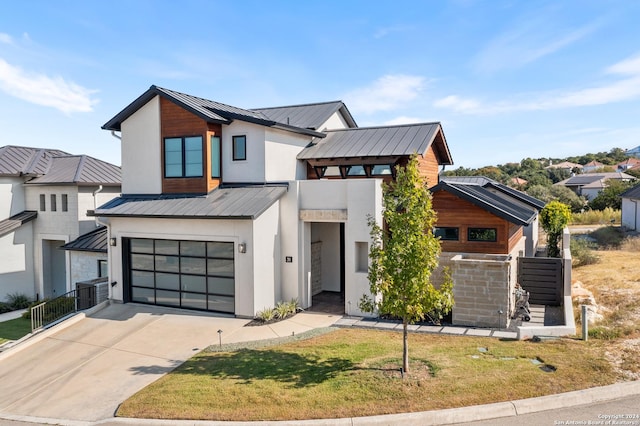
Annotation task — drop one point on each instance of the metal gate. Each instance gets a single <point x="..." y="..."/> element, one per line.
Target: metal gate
<point x="542" y="278"/>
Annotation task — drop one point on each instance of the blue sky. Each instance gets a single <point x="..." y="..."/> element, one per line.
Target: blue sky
<point x="507" y="79"/>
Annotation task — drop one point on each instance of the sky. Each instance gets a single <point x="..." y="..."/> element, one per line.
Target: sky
<point x="507" y="79"/>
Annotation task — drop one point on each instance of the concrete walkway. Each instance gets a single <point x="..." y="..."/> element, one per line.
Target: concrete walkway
<point x="7" y="316"/>
<point x="78" y="372"/>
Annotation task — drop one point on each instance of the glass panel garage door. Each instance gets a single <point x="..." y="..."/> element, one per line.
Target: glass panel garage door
<point x="185" y="274"/>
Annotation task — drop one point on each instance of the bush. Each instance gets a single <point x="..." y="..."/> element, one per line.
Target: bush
<point x="267" y="314"/>
<point x="596" y="217"/>
<point x="630" y="244"/>
<point x="286" y="309"/>
<point x="18" y="301"/>
<point x="5" y="307"/>
<point x="582" y="252"/>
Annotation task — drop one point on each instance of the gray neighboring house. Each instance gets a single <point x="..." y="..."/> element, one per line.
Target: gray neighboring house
<point x="630" y="209"/>
<point x="44" y="198"/>
<point x="589" y="185"/>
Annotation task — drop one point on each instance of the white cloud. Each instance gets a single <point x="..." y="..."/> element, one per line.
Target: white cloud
<point x="626" y="88"/>
<point x="386" y="93"/>
<point x="6" y="38"/>
<point x="526" y="43"/>
<point x="43" y="90"/>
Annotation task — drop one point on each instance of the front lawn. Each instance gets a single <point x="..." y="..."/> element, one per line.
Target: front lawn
<point x="355" y="372"/>
<point x="14" y="329"/>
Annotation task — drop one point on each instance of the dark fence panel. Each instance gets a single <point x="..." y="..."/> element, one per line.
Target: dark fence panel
<point x="542" y="278"/>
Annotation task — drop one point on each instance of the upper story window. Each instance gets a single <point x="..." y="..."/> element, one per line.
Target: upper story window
<point x="482" y="234"/>
<point x="381" y="170"/>
<point x="239" y="148"/>
<point x="43" y="202"/>
<point x="54" y="205"/>
<point x="446" y="233"/>
<point x="183" y="157"/>
<point x="65" y="203"/>
<point x="215" y="156"/>
<point x="356" y="171"/>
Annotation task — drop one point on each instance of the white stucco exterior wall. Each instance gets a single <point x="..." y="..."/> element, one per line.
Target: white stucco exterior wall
<point x="266" y="259"/>
<point x="334" y="122"/>
<point x="281" y="149"/>
<point x="17" y="265"/>
<point x="253" y="168"/>
<point x="12" y="197"/>
<point x="631" y="213"/>
<point x="235" y="231"/>
<point x="140" y="148"/>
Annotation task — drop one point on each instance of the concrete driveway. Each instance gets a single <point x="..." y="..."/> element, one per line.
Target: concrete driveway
<point x="84" y="370"/>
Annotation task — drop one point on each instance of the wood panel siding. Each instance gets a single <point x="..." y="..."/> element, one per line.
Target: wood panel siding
<point x="428" y="165"/>
<point x="176" y="121"/>
<point x="458" y="213"/>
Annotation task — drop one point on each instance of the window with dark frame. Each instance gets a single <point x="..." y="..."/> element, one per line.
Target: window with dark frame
<point x="482" y="234"/>
<point x="215" y="156"/>
<point x="239" y="148"/>
<point x="43" y="203"/>
<point x="447" y="233"/>
<point x="183" y="157"/>
<point x="65" y="202"/>
<point x="53" y="203"/>
<point x="103" y="269"/>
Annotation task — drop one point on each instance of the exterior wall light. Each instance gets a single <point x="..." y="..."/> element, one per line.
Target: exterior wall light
<point x="113" y="241"/>
<point x="242" y="248"/>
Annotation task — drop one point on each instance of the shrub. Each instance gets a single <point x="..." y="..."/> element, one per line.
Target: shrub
<point x="553" y="218"/>
<point x="267" y="314"/>
<point x="286" y="309"/>
<point x="582" y="252"/>
<point x="5" y="307"/>
<point x="18" y="301"/>
<point x="630" y="244"/>
<point x="595" y="217"/>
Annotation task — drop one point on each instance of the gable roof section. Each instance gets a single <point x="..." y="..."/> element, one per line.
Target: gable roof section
<point x="496" y="203"/>
<point x="80" y="170"/>
<point x="588" y="178"/>
<point x="247" y="202"/>
<point x="633" y="192"/>
<point x="94" y="241"/>
<point x="402" y="140"/>
<point x="16" y="221"/>
<point x="26" y="161"/>
<point x="308" y="116"/>
<point x="210" y="111"/>
<point x="488" y="183"/>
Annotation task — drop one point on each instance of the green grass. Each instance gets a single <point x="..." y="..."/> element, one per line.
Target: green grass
<point x="14" y="329"/>
<point x="355" y="372"/>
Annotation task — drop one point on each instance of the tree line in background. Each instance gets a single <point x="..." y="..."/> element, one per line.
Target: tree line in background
<point x="537" y="179"/>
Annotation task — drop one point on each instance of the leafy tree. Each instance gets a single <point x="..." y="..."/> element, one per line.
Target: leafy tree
<point x="610" y="195"/>
<point x="403" y="259"/>
<point x="567" y="196"/>
<point x="553" y="218"/>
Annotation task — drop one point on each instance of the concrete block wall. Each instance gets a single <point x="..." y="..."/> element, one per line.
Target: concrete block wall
<point x="84" y="265"/>
<point x="482" y="290"/>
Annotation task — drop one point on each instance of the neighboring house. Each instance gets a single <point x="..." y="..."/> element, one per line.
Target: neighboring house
<point x="592" y="166"/>
<point x="629" y="163"/>
<point x="233" y="210"/>
<point x="567" y="166"/>
<point x="635" y="152"/>
<point x="630" y="209"/>
<point x="589" y="185"/>
<point x="45" y="196"/>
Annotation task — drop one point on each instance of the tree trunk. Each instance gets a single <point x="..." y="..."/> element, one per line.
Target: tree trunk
<point x="405" y="347"/>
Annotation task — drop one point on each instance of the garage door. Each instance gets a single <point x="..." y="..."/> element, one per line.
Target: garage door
<point x="186" y="274"/>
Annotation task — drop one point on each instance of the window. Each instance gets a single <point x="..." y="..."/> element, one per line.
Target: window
<point x="65" y="203"/>
<point x="43" y="203"/>
<point x="183" y="157"/>
<point x="356" y="171"/>
<point x="332" y="171"/>
<point x="448" y="234"/>
<point x="362" y="257"/>
<point x="215" y="156"/>
<point x="381" y="170"/>
<point x="103" y="269"/>
<point x="239" y="148"/>
<point x="482" y="234"/>
<point x="53" y="202"/>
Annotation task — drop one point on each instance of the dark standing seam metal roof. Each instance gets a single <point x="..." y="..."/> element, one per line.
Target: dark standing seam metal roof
<point x="16" y="221"/>
<point x="400" y="140"/>
<point x="588" y="178"/>
<point x="247" y="202"/>
<point x="498" y="204"/>
<point x="486" y="182"/>
<point x="307" y="116"/>
<point x="210" y="111"/>
<point x="94" y="241"/>
<point x="80" y="170"/>
<point x="26" y="161"/>
<point x="632" y="192"/>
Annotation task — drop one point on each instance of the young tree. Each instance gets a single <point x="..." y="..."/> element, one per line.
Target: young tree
<point x="404" y="257"/>
<point x="553" y="218"/>
<point x="610" y="195"/>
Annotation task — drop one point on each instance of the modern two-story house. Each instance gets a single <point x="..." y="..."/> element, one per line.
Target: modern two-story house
<point x="45" y="197"/>
<point x="231" y="210"/>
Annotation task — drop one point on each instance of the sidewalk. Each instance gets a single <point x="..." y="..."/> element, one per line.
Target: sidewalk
<point x="11" y="315"/>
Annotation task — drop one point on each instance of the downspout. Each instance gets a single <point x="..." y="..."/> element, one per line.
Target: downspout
<point x="95" y="203"/>
<point x="113" y="133"/>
